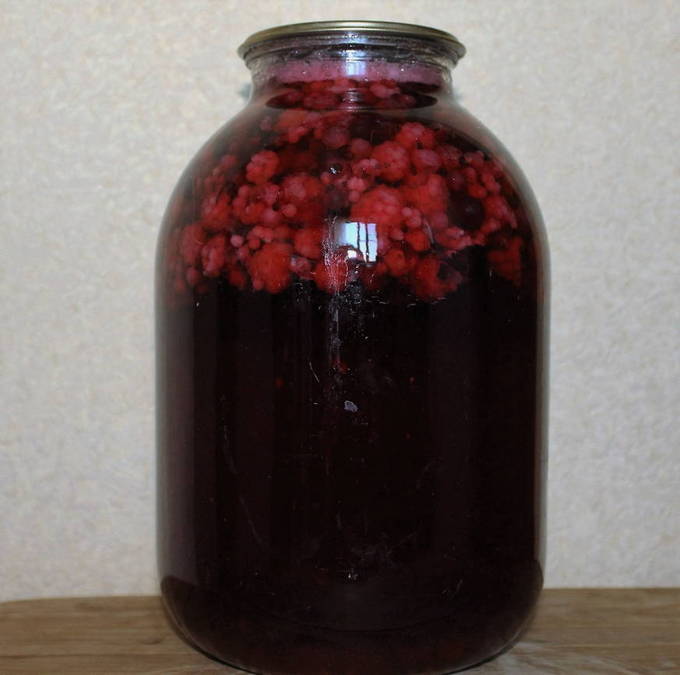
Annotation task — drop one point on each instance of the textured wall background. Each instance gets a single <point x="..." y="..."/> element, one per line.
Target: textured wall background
<point x="103" y="105"/>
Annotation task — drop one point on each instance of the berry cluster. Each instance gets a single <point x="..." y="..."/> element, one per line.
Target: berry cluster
<point x="330" y="201"/>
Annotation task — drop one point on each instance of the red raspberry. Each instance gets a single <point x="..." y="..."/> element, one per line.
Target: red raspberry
<point x="417" y="240"/>
<point x="456" y="180"/>
<point x="193" y="277"/>
<point x="306" y="194"/>
<point x="396" y="262"/>
<point x="432" y="281"/>
<point x="322" y="100"/>
<point x="191" y="243"/>
<point x="214" y="256"/>
<point x="237" y="277"/>
<point x="368" y="167"/>
<point x="262" y="167"/>
<point x="450" y="156"/>
<point x="381" y="205"/>
<point x="335" y="137"/>
<point x="392" y="159"/>
<point x="308" y="242"/>
<point x="301" y="266"/>
<point x="270" y="267"/>
<point x="412" y="217"/>
<point x="300" y="188"/>
<point x="414" y="134"/>
<point x="475" y="159"/>
<point x="331" y="274"/>
<point x="453" y="238"/>
<point x="215" y="212"/>
<point x="282" y="233"/>
<point x="360" y="148"/>
<point x="384" y="89"/>
<point x="495" y="206"/>
<point x="251" y="202"/>
<point x="477" y="191"/>
<point x="271" y="218"/>
<point x="426" y="160"/>
<point x="295" y="123"/>
<point x="507" y="262"/>
<point x="490" y="182"/>
<point x="438" y="220"/>
<point x="428" y="197"/>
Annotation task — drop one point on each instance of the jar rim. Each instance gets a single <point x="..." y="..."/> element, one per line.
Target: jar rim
<point x="355" y="30"/>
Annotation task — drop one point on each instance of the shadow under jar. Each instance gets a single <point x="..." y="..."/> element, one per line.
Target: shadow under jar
<point x="351" y="311"/>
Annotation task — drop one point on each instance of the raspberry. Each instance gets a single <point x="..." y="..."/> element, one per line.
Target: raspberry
<point x="455" y="180"/>
<point x="418" y="240"/>
<point x="477" y="191"/>
<point x="308" y="242"/>
<point x="191" y="243"/>
<point x="432" y="281"/>
<point x="453" y="238"/>
<point x="495" y="206"/>
<point x="214" y="256"/>
<point x="393" y="161"/>
<point x="215" y="212"/>
<point x="360" y="148"/>
<point x="450" y="156"/>
<point x="507" y="262"/>
<point x="381" y="205"/>
<point x="426" y="160"/>
<point x="414" y="134"/>
<point x="305" y="194"/>
<point x="412" y="217"/>
<point x="262" y="167"/>
<point x="384" y="89"/>
<point x="335" y="137"/>
<point x="269" y="267"/>
<point x="429" y="196"/>
<point x="300" y="188"/>
<point x="398" y="262"/>
<point x="331" y="274"/>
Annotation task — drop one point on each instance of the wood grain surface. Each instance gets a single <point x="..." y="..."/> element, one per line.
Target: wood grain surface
<point x="582" y="632"/>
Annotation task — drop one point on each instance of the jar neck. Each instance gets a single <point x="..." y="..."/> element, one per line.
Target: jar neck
<point x="351" y="77"/>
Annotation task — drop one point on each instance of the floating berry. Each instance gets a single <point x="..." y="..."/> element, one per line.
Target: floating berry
<point x="507" y="262"/>
<point x="262" y="167"/>
<point x="308" y="242"/>
<point x="331" y="273"/>
<point x="214" y="256"/>
<point x="415" y="135"/>
<point x="393" y="161"/>
<point x="417" y="240"/>
<point x="270" y="267"/>
<point x="427" y="193"/>
<point x="382" y="205"/>
<point x="191" y="243"/>
<point x="216" y="212"/>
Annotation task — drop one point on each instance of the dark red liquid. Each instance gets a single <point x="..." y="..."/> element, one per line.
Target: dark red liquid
<point x="350" y="462"/>
<point x="352" y="476"/>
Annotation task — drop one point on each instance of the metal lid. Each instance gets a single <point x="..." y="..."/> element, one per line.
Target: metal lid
<point x="354" y="29"/>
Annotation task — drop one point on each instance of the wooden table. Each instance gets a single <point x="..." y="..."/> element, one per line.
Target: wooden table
<point x="580" y="632"/>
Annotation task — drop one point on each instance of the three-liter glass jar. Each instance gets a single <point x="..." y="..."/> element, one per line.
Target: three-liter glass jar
<point x="351" y="312"/>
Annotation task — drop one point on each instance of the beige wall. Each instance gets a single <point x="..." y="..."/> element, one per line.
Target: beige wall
<point x="104" y="103"/>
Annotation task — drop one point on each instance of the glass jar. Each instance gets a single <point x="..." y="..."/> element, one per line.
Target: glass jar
<point x="351" y="311"/>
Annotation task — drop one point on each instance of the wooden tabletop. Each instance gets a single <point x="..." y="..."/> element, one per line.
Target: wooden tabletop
<point x="584" y="631"/>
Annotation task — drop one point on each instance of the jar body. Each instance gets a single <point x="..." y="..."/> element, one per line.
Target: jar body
<point x="350" y="364"/>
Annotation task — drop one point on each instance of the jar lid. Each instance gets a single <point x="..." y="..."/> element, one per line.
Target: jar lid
<point x="355" y="30"/>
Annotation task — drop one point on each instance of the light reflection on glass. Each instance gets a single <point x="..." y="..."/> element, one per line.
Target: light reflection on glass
<point x="361" y="240"/>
